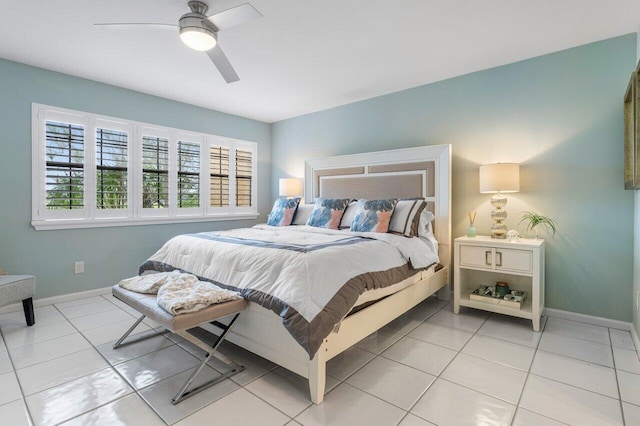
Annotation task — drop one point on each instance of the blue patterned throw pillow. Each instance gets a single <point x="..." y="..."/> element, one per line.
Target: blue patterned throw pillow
<point x="283" y="211"/>
<point x="327" y="212"/>
<point x="373" y="215"/>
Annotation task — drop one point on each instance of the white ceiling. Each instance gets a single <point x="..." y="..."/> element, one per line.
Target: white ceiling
<point x="303" y="55"/>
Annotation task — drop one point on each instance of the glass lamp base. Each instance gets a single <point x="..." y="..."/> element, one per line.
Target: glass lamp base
<point x="499" y="231"/>
<point x="499" y="215"/>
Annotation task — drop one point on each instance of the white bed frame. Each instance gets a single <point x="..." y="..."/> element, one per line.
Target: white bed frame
<point x="261" y="331"/>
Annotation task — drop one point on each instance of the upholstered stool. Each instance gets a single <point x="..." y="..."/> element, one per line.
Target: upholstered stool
<point x="16" y="288"/>
<point x="186" y="326"/>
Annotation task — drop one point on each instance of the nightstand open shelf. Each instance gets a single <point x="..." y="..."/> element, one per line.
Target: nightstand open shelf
<point x="523" y="312"/>
<point x="482" y="261"/>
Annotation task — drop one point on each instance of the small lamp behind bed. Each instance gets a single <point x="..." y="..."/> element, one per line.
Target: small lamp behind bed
<point x="290" y="187"/>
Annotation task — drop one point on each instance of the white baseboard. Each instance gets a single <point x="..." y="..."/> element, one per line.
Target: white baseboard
<point x="589" y="319"/>
<point x="604" y="322"/>
<point x="57" y="299"/>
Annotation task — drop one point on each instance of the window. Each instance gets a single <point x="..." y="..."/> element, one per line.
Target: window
<point x="155" y="172"/>
<point x="218" y="176"/>
<point x="112" y="153"/>
<point x="243" y="178"/>
<point x="188" y="174"/>
<point x="64" y="179"/>
<point x="91" y="171"/>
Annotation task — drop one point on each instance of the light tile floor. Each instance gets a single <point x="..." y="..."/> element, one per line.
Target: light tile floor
<point x="427" y="367"/>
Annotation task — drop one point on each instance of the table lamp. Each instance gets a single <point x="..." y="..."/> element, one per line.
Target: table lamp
<point x="498" y="179"/>
<point x="290" y="187"/>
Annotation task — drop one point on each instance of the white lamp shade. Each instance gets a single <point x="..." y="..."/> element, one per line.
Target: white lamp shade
<point x="198" y="38"/>
<point x="290" y="187"/>
<point x="500" y="177"/>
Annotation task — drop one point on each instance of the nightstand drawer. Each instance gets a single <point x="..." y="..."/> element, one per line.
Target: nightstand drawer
<point x="476" y="257"/>
<point x="514" y="260"/>
<point x="496" y="258"/>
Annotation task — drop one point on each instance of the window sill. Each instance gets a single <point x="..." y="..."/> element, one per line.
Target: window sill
<point x="45" y="225"/>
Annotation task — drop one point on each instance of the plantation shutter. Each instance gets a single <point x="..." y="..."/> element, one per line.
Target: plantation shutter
<point x="218" y="176"/>
<point x="155" y="172"/>
<point x="65" y="168"/>
<point x="188" y="174"/>
<point x="244" y="176"/>
<point x="111" y="169"/>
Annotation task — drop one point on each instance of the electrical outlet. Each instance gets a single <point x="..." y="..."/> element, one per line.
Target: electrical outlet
<point x="79" y="267"/>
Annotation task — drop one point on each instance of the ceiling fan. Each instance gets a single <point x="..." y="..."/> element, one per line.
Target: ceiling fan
<point x="200" y="32"/>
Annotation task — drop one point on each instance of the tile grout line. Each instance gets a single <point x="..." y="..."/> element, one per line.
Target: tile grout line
<point x="115" y="370"/>
<point x="375" y="355"/>
<point x="271" y="405"/>
<point x="43" y="390"/>
<point x="240" y="386"/>
<point x="110" y="367"/>
<point x="563" y="383"/>
<point x="407" y="411"/>
<point x="24" y="396"/>
<point x="15" y="374"/>
<point x="135" y="390"/>
<point x="344" y="381"/>
<point x="477" y="332"/>
<point x="232" y="392"/>
<point x="446" y="366"/>
<point x="526" y="379"/>
<point x="615" y="370"/>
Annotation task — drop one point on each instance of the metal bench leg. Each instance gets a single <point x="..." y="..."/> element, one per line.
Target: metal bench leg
<point x="210" y="353"/>
<point x="117" y="344"/>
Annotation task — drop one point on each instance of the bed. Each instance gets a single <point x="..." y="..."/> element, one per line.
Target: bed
<point x="301" y="316"/>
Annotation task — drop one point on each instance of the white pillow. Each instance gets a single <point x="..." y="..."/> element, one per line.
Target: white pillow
<point x="424" y="227"/>
<point x="425" y="230"/>
<point x="302" y="214"/>
<point x="406" y="217"/>
<point x="349" y="214"/>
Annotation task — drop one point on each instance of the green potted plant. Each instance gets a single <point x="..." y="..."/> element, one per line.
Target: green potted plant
<point x="533" y="220"/>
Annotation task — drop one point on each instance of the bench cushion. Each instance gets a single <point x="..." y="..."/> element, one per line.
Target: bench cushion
<point x="147" y="305"/>
<point x="15" y="288"/>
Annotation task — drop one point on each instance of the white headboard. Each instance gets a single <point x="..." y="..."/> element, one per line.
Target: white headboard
<point x="400" y="173"/>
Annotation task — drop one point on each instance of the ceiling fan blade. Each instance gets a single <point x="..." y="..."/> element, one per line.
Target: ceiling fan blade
<point x="222" y="63"/>
<point x="235" y="16"/>
<point x="135" y="26"/>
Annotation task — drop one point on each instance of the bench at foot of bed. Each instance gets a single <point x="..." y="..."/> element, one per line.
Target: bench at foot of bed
<point x="186" y="326"/>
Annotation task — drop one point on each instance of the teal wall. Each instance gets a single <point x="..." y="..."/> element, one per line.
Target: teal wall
<point x="110" y="254"/>
<point x="559" y="115"/>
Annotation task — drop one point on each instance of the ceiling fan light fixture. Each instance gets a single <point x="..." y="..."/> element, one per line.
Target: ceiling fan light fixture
<point x="200" y="39"/>
<point x="195" y="29"/>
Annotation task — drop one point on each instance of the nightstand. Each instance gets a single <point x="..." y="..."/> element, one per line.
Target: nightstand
<point x="484" y="261"/>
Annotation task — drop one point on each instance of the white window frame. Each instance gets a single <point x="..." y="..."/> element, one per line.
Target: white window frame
<point x="39" y="164"/>
<point x="160" y="133"/>
<point x="92" y="164"/>
<point x="92" y="217"/>
<point x="200" y="141"/>
<point x="218" y="141"/>
<point x="245" y="146"/>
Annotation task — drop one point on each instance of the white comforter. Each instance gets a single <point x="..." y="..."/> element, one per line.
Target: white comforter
<point x="310" y="276"/>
